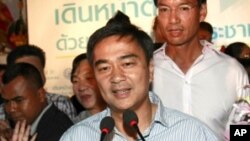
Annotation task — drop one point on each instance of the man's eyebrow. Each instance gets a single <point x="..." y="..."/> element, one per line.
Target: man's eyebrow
<point x="13" y="99"/>
<point x="129" y="56"/>
<point x="101" y="61"/>
<point x="184" y="3"/>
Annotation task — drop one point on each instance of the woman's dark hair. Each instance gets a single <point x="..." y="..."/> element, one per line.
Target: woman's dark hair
<point x="235" y="49"/>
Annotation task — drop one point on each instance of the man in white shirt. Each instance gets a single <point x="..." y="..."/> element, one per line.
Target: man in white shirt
<point x="190" y="75"/>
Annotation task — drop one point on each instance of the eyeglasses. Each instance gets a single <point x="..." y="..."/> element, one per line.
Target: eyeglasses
<point x="182" y="10"/>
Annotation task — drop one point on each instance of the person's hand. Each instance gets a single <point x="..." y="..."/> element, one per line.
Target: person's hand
<point x="21" y="132"/>
<point x="5" y="130"/>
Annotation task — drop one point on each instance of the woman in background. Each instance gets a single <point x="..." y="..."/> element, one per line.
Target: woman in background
<point x="241" y="52"/>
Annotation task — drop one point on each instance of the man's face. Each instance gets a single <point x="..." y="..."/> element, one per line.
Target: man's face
<point x="245" y="53"/>
<point x="205" y="35"/>
<point x="33" y="60"/>
<point x="22" y="101"/>
<point x="179" y="20"/>
<point x="85" y="87"/>
<point x="122" y="72"/>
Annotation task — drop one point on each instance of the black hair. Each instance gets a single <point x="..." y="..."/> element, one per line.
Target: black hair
<point x="27" y="71"/>
<point x="76" y="63"/>
<point x="235" y="49"/>
<point x="18" y="27"/>
<point x="120" y="26"/>
<point x="26" y="50"/>
<point x="3" y="67"/>
<point x="206" y="26"/>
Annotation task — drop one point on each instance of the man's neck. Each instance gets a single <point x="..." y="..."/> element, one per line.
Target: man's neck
<point x="145" y="115"/>
<point x="184" y="55"/>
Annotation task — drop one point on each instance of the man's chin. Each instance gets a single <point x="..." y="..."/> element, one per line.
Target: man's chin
<point x="15" y="120"/>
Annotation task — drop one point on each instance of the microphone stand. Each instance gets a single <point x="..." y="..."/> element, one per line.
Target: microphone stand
<point x="102" y="136"/>
<point x="139" y="132"/>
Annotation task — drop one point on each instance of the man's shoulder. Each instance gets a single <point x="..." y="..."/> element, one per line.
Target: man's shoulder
<point x="53" y="114"/>
<point x="173" y="117"/>
<point x="53" y="96"/>
<point x="185" y="122"/>
<point x="88" y="125"/>
<point x="93" y="120"/>
<point x="86" y="129"/>
<point x="53" y="124"/>
<point x="214" y="56"/>
<point x="63" y="103"/>
<point x="160" y="50"/>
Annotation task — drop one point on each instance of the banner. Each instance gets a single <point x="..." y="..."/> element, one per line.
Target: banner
<point x="62" y="28"/>
<point x="230" y="20"/>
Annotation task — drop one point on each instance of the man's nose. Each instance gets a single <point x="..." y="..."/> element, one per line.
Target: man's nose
<point x="118" y="75"/>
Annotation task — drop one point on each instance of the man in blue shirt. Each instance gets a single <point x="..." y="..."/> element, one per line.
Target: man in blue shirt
<point x="121" y="57"/>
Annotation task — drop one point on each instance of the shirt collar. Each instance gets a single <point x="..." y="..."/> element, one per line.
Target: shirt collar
<point x="36" y="122"/>
<point x="160" y="112"/>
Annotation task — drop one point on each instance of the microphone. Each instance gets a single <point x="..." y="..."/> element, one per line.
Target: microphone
<point x="131" y="120"/>
<point x="107" y="125"/>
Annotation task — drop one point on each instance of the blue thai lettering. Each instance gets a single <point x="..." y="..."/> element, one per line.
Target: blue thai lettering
<point x="61" y="44"/>
<point x="248" y="29"/>
<point x="69" y="12"/>
<point x="145" y="10"/>
<point x="215" y="34"/>
<point x="89" y="17"/>
<point x="113" y="9"/>
<point x="57" y="16"/>
<point x="98" y="11"/>
<point x="230" y="31"/>
<point x="244" y="31"/>
<point x="123" y="7"/>
<point x="81" y="42"/>
<point x="72" y="13"/>
<point x="135" y="7"/>
<point x="72" y="43"/>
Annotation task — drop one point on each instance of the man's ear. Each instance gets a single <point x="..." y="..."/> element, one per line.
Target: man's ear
<point x="151" y="70"/>
<point x="42" y="94"/>
<point x="203" y="12"/>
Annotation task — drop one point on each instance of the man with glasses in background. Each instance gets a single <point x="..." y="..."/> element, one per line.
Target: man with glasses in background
<point x="190" y="75"/>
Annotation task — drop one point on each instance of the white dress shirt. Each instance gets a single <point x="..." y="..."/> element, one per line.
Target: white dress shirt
<point x="207" y="90"/>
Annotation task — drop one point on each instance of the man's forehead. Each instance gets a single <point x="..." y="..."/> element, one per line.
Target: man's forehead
<point x="18" y="84"/>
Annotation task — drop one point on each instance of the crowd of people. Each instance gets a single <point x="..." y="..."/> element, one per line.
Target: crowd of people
<point x="177" y="85"/>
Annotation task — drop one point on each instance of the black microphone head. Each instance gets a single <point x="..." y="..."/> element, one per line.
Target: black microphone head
<point x="107" y="125"/>
<point x="130" y="118"/>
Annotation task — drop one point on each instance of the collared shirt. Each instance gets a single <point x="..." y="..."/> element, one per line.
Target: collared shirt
<point x="81" y="116"/>
<point x="207" y="90"/>
<point x="63" y="103"/>
<point x="167" y="125"/>
<point x="36" y="122"/>
<point x="2" y="114"/>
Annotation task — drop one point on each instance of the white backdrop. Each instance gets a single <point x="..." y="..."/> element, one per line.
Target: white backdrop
<point x="62" y="28"/>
